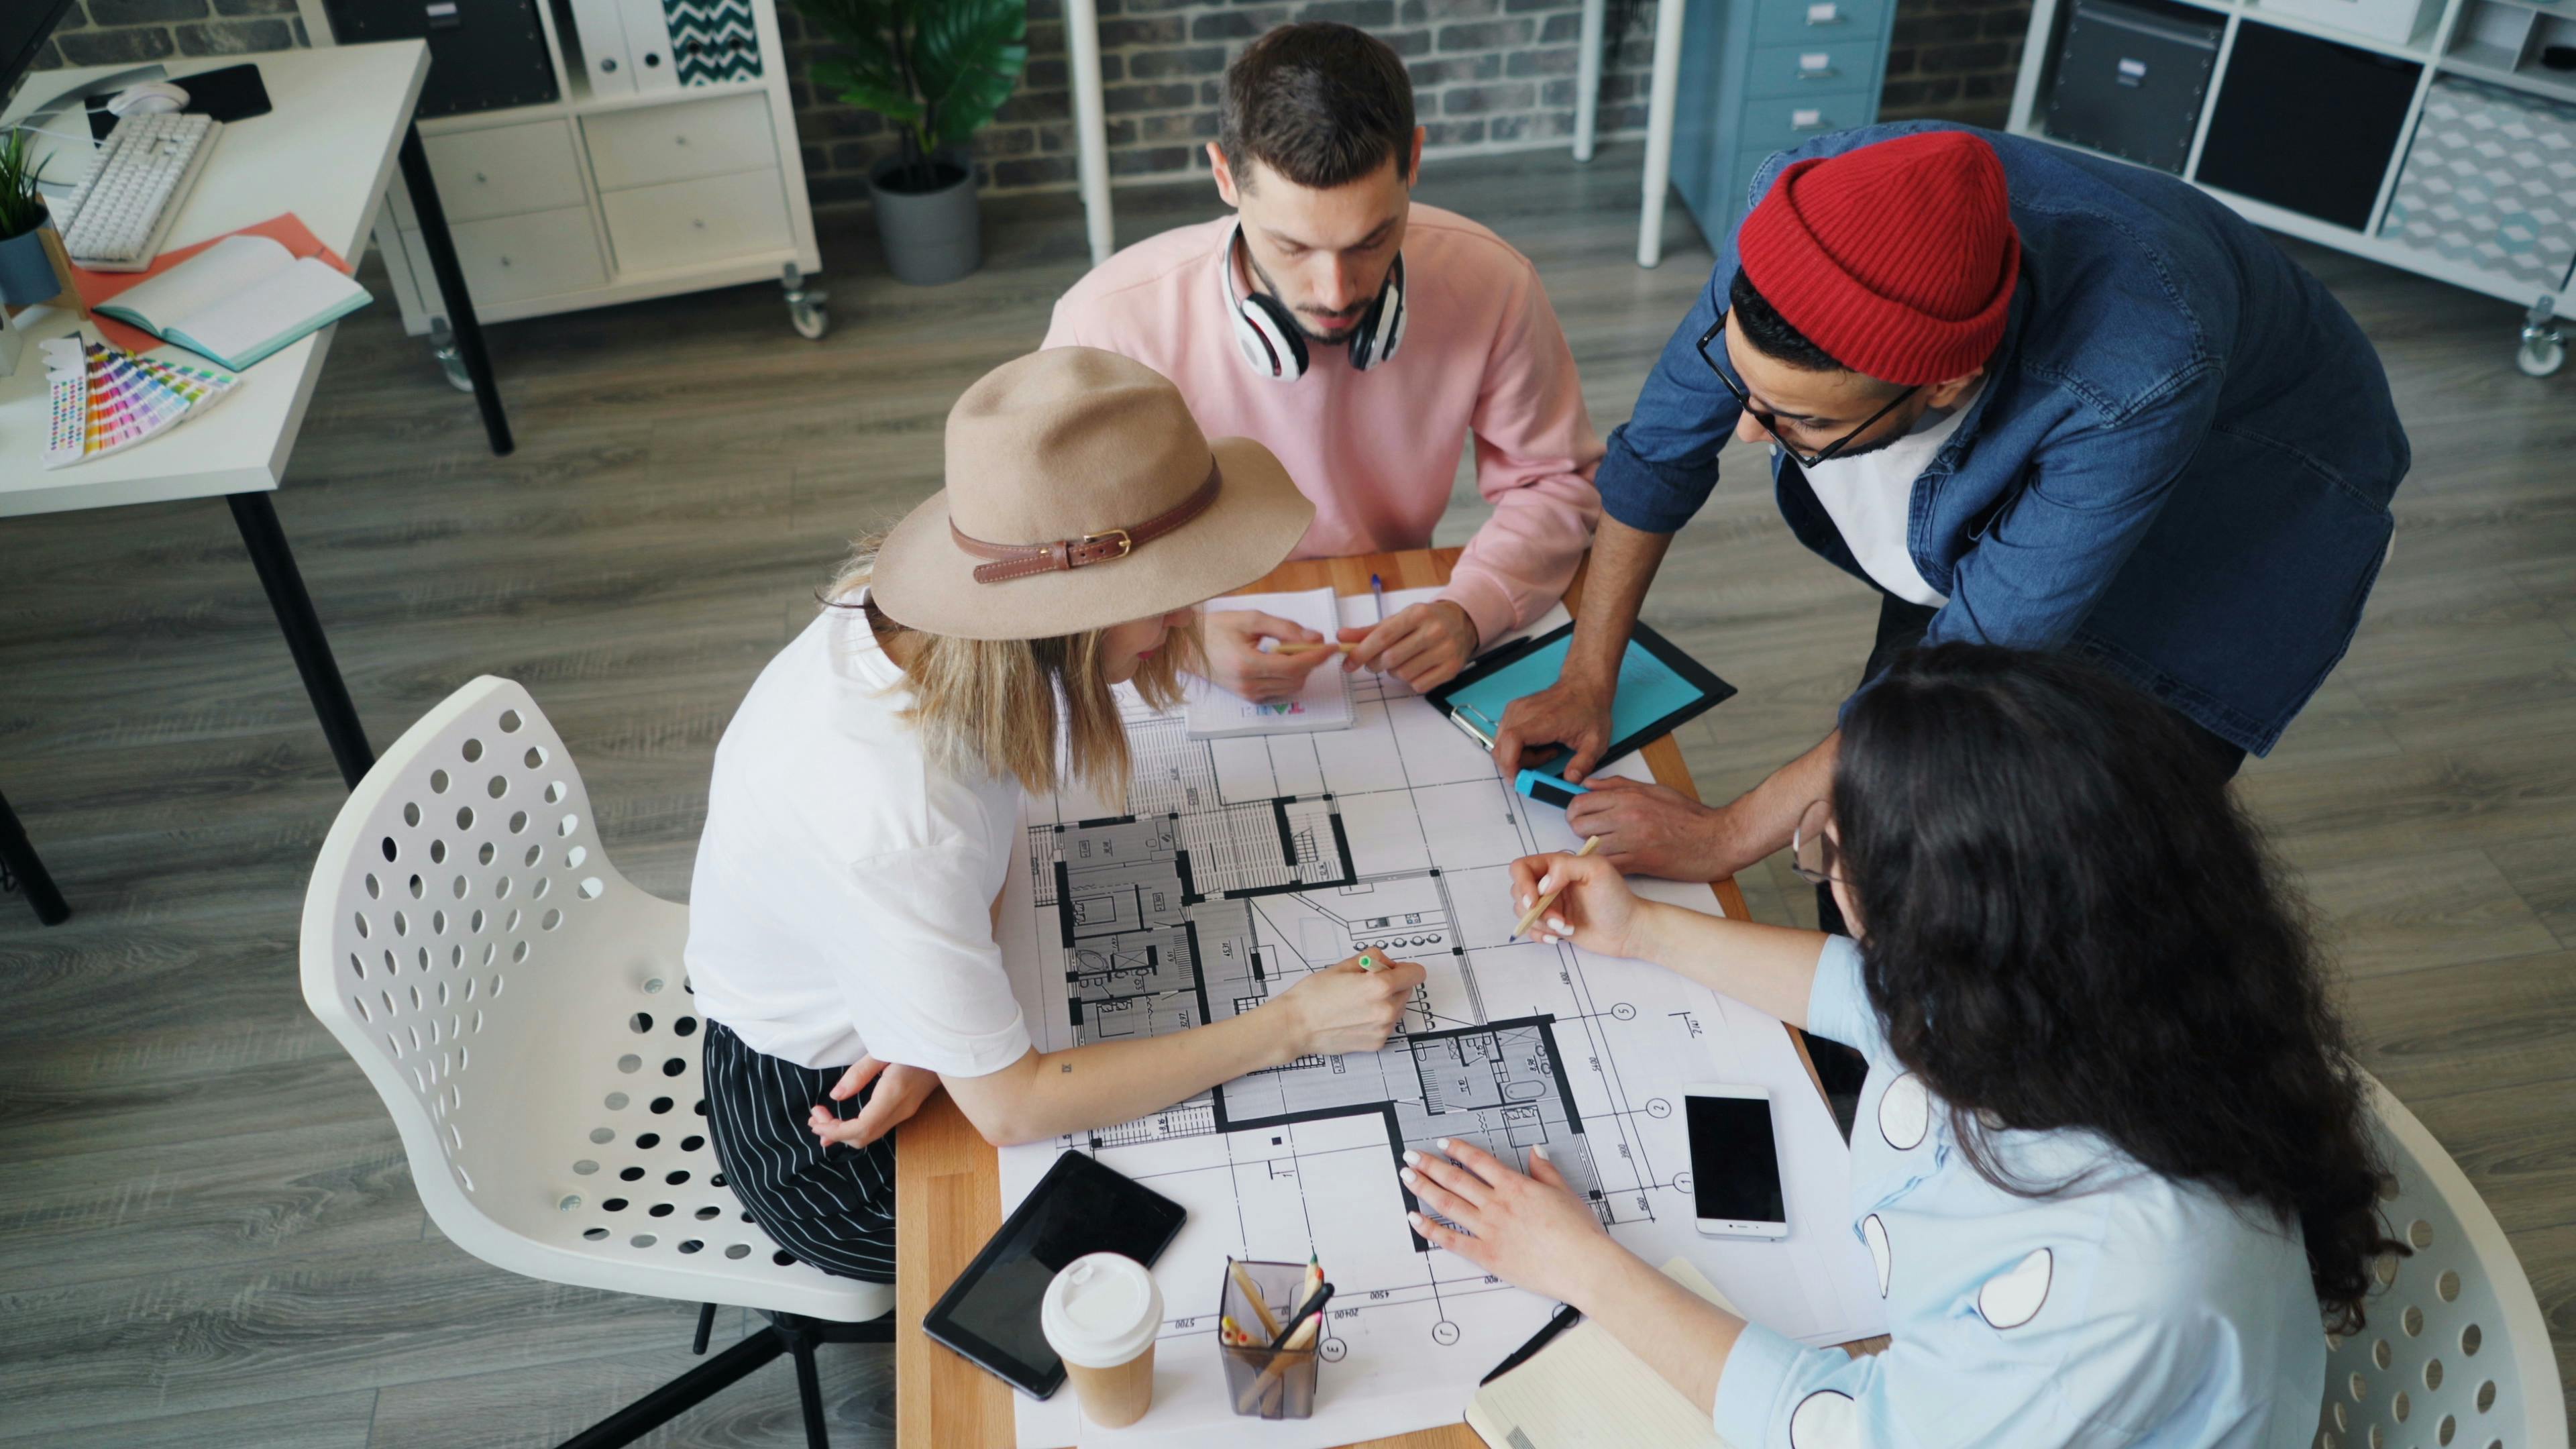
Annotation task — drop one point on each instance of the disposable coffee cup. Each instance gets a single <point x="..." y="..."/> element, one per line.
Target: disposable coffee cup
<point x="1100" y="1316"/>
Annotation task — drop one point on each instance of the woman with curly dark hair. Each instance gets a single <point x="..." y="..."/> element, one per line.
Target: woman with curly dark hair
<point x="2112" y="1162"/>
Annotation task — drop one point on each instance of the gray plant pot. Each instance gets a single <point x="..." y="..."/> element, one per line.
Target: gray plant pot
<point x="930" y="237"/>
<point x="26" y="273"/>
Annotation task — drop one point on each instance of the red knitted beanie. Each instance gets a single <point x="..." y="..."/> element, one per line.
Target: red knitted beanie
<point x="1898" y="259"/>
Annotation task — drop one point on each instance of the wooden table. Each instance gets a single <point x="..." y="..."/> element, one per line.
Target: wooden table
<point x="948" y="1185"/>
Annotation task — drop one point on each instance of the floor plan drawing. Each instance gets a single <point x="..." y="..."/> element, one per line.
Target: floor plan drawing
<point x="1234" y="867"/>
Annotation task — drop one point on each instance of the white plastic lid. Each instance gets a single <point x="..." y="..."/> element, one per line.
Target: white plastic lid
<point x="1101" y="1311"/>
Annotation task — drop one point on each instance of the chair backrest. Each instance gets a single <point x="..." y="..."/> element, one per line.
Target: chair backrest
<point x="2456" y="1352"/>
<point x="522" y="1010"/>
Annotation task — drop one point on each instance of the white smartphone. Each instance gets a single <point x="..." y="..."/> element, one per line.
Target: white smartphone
<point x="1735" y="1161"/>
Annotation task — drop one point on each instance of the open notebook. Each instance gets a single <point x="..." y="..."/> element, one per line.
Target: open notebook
<point x="238" y="300"/>
<point x="1587" y="1391"/>
<point x="1324" y="703"/>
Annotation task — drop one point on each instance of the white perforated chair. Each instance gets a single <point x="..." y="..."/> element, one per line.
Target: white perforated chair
<point x="2456" y="1352"/>
<point x="521" y="1008"/>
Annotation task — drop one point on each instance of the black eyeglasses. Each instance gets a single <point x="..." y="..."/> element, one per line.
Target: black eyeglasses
<point x="1804" y="460"/>
<point x="1812" y="852"/>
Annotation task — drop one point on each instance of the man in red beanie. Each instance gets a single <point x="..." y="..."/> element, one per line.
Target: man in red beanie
<point x="2033" y="398"/>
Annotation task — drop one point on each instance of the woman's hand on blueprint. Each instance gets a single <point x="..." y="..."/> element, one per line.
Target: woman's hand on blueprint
<point x="899" y="1093"/>
<point x="1594" y="908"/>
<point x="1529" y="1229"/>
<point x="1347" y="1008"/>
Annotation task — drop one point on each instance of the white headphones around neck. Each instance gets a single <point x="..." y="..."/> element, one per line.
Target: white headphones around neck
<point x="1267" y="332"/>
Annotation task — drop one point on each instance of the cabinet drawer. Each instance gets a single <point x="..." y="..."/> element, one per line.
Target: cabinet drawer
<point x="503" y="171"/>
<point x="541" y="254"/>
<point x="653" y="228"/>
<point x="1781" y="122"/>
<point x="653" y="144"/>
<point x="1824" y="65"/>
<point x="1809" y="22"/>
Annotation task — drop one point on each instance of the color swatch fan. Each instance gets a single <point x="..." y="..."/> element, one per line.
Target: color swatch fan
<point x="105" y="398"/>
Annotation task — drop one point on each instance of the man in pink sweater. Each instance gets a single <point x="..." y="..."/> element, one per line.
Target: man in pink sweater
<point x="1363" y="339"/>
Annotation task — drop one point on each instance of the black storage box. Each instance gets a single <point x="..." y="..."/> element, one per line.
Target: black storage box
<point x="2306" y="124"/>
<point x="2130" y="80"/>
<point x="484" y="55"/>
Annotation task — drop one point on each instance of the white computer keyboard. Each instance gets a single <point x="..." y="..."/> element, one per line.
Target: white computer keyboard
<point x="124" y="207"/>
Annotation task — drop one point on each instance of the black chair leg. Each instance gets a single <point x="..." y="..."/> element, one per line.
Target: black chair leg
<point x="706" y="1325"/>
<point x="683" y="1393"/>
<point x="18" y="859"/>
<point x="809" y="1385"/>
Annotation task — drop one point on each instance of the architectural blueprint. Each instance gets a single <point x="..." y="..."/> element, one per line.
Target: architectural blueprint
<point x="1236" y="866"/>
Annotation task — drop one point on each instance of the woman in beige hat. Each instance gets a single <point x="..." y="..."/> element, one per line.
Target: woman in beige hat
<point x="865" y="809"/>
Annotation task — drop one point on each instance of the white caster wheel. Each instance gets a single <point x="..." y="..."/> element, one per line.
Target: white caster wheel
<point x="442" y="347"/>
<point x="2542" y="355"/>
<point x="811" y="316"/>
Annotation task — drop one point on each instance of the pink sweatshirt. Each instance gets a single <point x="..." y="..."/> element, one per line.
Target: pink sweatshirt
<point x="1376" y="452"/>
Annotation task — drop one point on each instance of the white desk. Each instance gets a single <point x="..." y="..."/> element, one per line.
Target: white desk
<point x="340" y="118"/>
<point x="332" y="175"/>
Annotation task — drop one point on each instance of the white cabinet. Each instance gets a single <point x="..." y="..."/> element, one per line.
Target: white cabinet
<point x="540" y="254"/>
<point x="652" y="228"/>
<point x="680" y="142"/>
<point x="601" y="198"/>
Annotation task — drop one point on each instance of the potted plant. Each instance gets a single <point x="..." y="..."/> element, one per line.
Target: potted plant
<point x="936" y="70"/>
<point x="26" y="273"/>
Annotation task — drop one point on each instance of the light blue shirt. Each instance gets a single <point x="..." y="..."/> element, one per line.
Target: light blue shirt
<point x="2128" y="1310"/>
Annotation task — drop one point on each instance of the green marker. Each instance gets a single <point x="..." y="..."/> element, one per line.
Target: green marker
<point x="1370" y="963"/>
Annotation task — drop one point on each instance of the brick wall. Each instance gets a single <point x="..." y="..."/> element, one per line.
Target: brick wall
<point x="1487" y="74"/>
<point x="1954" y="60"/>
<point x="121" y="32"/>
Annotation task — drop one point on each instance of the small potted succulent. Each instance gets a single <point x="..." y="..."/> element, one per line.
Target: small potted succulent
<point x="26" y="273"/>
<point x="936" y="70"/>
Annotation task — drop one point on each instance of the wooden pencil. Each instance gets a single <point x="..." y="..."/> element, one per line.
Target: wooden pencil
<point x="1539" y="909"/>
<point x="1260" y="1309"/>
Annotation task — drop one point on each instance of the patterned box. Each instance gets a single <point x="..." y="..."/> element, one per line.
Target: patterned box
<point x="2491" y="183"/>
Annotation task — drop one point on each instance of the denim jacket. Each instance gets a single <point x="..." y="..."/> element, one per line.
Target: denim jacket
<point x="2180" y="464"/>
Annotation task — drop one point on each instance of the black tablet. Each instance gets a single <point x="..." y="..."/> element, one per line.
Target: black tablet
<point x="1659" y="689"/>
<point x="990" y="1314"/>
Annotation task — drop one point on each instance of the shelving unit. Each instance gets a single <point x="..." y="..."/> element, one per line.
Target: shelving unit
<point x="590" y="200"/>
<point x="2477" y="183"/>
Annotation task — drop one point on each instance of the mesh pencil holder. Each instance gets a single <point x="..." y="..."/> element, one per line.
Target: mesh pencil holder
<point x="1267" y="1383"/>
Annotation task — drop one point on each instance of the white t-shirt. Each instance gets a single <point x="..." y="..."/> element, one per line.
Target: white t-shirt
<point x="1871" y="500"/>
<point x="843" y="894"/>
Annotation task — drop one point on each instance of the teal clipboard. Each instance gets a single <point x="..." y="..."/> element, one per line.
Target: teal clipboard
<point x="1660" y="687"/>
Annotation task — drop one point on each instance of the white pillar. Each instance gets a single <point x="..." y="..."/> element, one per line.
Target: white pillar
<point x="1090" y="128"/>
<point x="1587" y="78"/>
<point x="1659" y="130"/>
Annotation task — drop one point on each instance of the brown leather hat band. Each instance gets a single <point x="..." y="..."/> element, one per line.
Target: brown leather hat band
<point x="1022" y="560"/>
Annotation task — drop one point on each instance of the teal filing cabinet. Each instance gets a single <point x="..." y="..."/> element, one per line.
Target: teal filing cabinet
<point x="1759" y="76"/>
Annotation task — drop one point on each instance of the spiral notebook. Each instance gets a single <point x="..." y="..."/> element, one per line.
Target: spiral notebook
<point x="1585" y="1390"/>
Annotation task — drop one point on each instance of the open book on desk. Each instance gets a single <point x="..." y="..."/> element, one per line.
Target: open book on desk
<point x="1585" y="1390"/>
<point x="238" y="300"/>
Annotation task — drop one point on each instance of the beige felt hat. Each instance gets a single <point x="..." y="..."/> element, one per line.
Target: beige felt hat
<point x="1082" y="494"/>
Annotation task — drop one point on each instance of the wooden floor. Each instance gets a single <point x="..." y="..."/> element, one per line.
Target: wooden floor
<point x="208" y="1235"/>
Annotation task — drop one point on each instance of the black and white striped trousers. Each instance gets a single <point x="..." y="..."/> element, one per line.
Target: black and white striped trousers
<point x="835" y="1208"/>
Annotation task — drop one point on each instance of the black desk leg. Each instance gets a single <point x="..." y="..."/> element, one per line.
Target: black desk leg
<point x="303" y="630"/>
<point x="20" y="857"/>
<point x="451" y="288"/>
